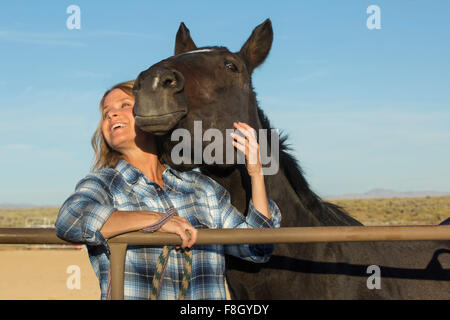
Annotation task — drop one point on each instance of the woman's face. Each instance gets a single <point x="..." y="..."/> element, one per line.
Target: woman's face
<point x="118" y="120"/>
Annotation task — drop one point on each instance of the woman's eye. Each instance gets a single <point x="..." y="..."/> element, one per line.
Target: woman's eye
<point x="125" y="105"/>
<point x="231" y="66"/>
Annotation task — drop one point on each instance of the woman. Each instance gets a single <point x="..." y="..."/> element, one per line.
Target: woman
<point x="132" y="190"/>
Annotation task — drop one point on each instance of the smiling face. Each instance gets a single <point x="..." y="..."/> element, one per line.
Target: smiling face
<point x="118" y="125"/>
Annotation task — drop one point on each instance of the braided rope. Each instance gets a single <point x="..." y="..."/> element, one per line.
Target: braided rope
<point x="169" y="214"/>
<point x="186" y="274"/>
<point x="161" y="263"/>
<point x="158" y="277"/>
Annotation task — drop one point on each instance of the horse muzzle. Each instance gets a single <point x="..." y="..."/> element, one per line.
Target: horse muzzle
<point x="160" y="102"/>
<point x="159" y="124"/>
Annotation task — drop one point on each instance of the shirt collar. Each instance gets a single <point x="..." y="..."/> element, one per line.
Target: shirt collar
<point x="174" y="172"/>
<point x="132" y="174"/>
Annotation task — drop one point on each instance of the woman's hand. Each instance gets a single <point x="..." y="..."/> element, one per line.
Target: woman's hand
<point x="249" y="146"/>
<point x="179" y="225"/>
<point x="126" y="221"/>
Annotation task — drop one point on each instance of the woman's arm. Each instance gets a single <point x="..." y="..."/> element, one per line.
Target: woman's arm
<point x="259" y="196"/>
<point x="126" y="221"/>
<point x="88" y="216"/>
<point x="250" y="147"/>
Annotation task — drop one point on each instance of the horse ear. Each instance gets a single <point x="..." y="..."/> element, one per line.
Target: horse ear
<point x="183" y="42"/>
<point x="257" y="47"/>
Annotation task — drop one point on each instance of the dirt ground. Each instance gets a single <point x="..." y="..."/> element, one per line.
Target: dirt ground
<point x="47" y="275"/>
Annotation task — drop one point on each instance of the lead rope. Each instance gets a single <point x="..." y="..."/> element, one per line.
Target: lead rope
<point x="161" y="266"/>
<point x="161" y="263"/>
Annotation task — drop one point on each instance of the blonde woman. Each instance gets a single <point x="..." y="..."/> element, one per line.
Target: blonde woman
<point x="130" y="190"/>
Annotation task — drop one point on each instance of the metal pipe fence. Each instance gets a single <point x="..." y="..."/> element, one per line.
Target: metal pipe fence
<point x="118" y="244"/>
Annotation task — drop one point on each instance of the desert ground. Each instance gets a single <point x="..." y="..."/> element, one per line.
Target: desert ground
<point x="46" y="274"/>
<point x="33" y="272"/>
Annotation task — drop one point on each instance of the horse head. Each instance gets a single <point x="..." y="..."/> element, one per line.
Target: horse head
<point x="208" y="84"/>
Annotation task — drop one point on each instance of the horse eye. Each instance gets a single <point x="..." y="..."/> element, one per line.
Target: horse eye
<point x="231" y="66"/>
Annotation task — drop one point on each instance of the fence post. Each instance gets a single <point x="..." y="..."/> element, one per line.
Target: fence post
<point x="117" y="261"/>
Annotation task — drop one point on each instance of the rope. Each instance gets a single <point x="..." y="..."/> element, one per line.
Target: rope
<point x="158" y="277"/>
<point x="161" y="266"/>
<point x="186" y="274"/>
<point x="161" y="263"/>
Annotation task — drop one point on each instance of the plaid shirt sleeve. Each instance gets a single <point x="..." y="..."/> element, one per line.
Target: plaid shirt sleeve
<point x="232" y="218"/>
<point x="83" y="214"/>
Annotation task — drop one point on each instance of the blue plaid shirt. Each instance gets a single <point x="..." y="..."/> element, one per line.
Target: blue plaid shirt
<point x="200" y="199"/>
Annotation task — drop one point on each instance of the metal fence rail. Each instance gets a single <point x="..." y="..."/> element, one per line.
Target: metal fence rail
<point x="119" y="243"/>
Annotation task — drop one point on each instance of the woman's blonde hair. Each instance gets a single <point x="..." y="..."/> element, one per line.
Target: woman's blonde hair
<point x="105" y="156"/>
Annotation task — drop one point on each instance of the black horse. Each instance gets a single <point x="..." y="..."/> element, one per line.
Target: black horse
<point x="214" y="85"/>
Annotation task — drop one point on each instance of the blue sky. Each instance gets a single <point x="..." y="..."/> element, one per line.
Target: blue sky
<point x="364" y="108"/>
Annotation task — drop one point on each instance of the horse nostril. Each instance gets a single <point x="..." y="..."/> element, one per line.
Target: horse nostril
<point x="169" y="83"/>
<point x="174" y="81"/>
<point x="179" y="80"/>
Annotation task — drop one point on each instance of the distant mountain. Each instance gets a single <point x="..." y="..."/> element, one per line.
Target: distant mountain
<point x="386" y="193"/>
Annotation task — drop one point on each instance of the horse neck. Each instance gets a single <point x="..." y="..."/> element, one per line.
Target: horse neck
<point x="293" y="210"/>
<point x="299" y="205"/>
<point x="237" y="182"/>
<point x="290" y="190"/>
<point x="278" y="186"/>
<point x="302" y="207"/>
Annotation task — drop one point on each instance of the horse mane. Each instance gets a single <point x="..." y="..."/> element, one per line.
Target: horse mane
<point x="327" y="213"/>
